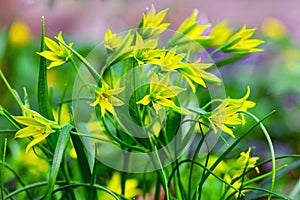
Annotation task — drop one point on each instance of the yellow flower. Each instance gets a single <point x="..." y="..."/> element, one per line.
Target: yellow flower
<point x="244" y="161"/>
<point x="160" y="93"/>
<point x="114" y="185"/>
<point x="241" y="43"/>
<point x="144" y="50"/>
<point x="152" y="23"/>
<point x="111" y="40"/>
<point x="121" y="51"/>
<point x="274" y="28"/>
<point x="169" y="60"/>
<point x="37" y="127"/>
<point x="241" y="104"/>
<point x="192" y="72"/>
<point x="192" y="29"/>
<point x="105" y="98"/>
<point x="58" y="53"/>
<point x="223" y="117"/>
<point x="227" y="113"/>
<point x="195" y="73"/>
<point x="220" y="34"/>
<point x="238" y="167"/>
<point x="19" y="34"/>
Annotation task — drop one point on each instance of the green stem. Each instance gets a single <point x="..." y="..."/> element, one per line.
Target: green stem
<point x="92" y="192"/>
<point x="10" y="89"/>
<point x="92" y="137"/>
<point x="2" y="167"/>
<point x="212" y="54"/>
<point x="258" y="178"/>
<point x="93" y="72"/>
<point x="271" y="147"/>
<point x="231" y="147"/>
<point x="157" y="188"/>
<point x="194" y="157"/>
<point x="202" y="166"/>
<point x="77" y="71"/>
<point x="165" y="183"/>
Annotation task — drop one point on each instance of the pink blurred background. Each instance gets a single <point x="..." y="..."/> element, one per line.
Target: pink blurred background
<point x="88" y="19"/>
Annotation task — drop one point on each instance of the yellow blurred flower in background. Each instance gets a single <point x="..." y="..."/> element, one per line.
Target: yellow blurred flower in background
<point x="19" y="34"/>
<point x="114" y="185"/>
<point x="219" y="34"/>
<point x="273" y="28"/>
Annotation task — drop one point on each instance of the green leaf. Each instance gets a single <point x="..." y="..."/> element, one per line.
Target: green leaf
<point x="62" y="141"/>
<point x="82" y="158"/>
<point x="44" y="104"/>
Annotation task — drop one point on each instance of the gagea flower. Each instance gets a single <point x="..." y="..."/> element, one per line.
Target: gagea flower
<point x="227" y="114"/>
<point x="168" y="60"/>
<point x="151" y="23"/>
<point x="145" y="50"/>
<point x="111" y="40"/>
<point x="37" y="127"/>
<point x="195" y="73"/>
<point x="105" y="98"/>
<point x="192" y="29"/>
<point x="219" y="35"/>
<point x="238" y="167"/>
<point x="160" y="93"/>
<point x="242" y="43"/>
<point x="58" y="53"/>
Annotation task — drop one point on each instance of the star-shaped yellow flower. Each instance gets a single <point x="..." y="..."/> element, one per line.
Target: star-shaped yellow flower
<point x="168" y="60"/>
<point x="151" y="23"/>
<point x="237" y="168"/>
<point x="195" y="73"/>
<point x="58" y="53"/>
<point x="228" y="114"/>
<point x="241" y="104"/>
<point x="111" y="40"/>
<point x="145" y="50"/>
<point x="192" y="72"/>
<point x="192" y="29"/>
<point x="105" y="98"/>
<point x="37" y="127"/>
<point x="160" y="93"/>
<point x="242" y="43"/>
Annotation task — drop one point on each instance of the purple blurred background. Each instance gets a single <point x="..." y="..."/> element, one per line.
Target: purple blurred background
<point x="89" y="19"/>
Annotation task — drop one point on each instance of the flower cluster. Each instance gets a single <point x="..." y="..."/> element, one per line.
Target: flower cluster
<point x="149" y="98"/>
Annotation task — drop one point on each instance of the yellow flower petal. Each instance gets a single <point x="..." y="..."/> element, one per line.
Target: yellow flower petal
<point x="35" y="141"/>
<point x="28" y="121"/>
<point x="28" y="131"/>
<point x="52" y="45"/>
<point x="145" y="101"/>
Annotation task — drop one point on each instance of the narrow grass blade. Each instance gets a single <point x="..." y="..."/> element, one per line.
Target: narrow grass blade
<point x="62" y="141"/>
<point x="44" y="104"/>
